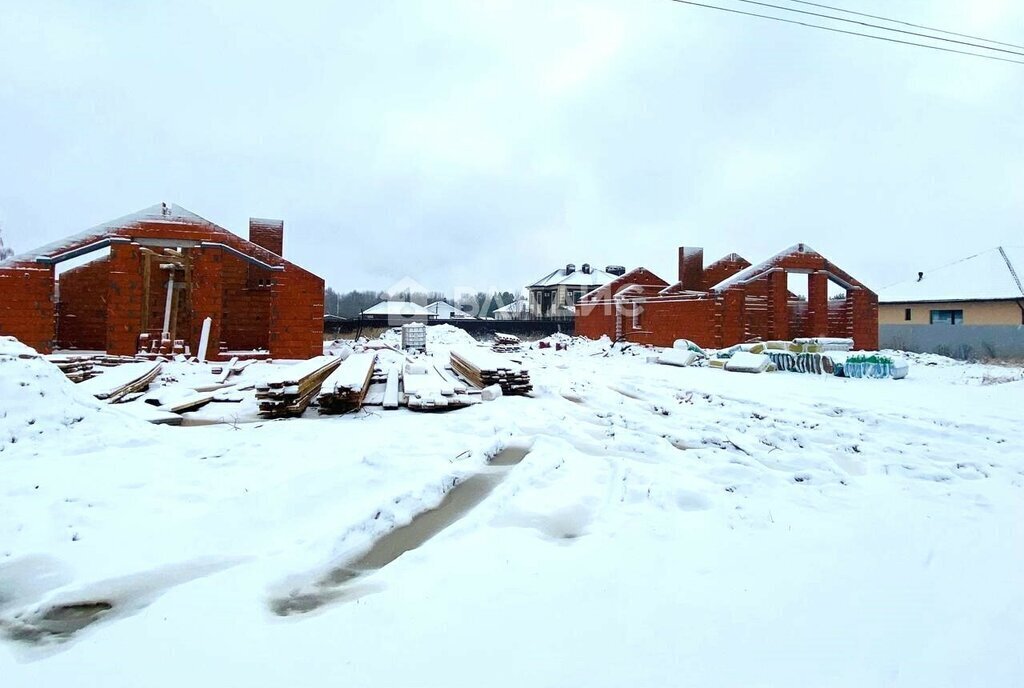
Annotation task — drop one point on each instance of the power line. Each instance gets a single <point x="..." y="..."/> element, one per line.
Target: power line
<point x="845" y="31"/>
<point x="879" y="26"/>
<point x="905" y="23"/>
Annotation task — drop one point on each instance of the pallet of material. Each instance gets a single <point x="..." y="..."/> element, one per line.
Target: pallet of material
<point x="289" y="392"/>
<point x="484" y="368"/>
<point x="120" y="381"/>
<point x="346" y="388"/>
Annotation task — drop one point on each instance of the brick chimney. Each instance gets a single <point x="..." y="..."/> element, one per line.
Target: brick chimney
<point x="267" y="233"/>
<point x="691" y="268"/>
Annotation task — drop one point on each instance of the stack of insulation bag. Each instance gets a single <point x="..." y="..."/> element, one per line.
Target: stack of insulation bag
<point x="683" y="353"/>
<point x="817" y="355"/>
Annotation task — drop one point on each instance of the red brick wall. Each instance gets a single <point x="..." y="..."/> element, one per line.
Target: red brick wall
<point x="798" y="319"/>
<point x="246" y="316"/>
<point x="864" y="308"/>
<point x="595" y="321"/>
<point x="723" y="269"/>
<point x="26" y="305"/>
<point x="778" y="307"/>
<point x="124" y="299"/>
<point x="595" y="314"/>
<point x="661" y="323"/>
<point x="817" y="305"/>
<point x="267" y="233"/>
<point x="839" y="318"/>
<point x="207" y="299"/>
<point x="296" y="314"/>
<point x="691" y="269"/>
<point x="731" y="318"/>
<point x="82" y="311"/>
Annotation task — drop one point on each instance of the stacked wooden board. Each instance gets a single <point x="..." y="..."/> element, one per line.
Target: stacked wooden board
<point x="76" y="369"/>
<point x="345" y="389"/>
<point x="289" y="392"/>
<point x="120" y="381"/>
<point x="428" y="388"/>
<point x="506" y="343"/>
<point x="79" y="368"/>
<point x="484" y="368"/>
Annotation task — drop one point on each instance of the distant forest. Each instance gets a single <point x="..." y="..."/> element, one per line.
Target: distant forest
<point x="351" y="304"/>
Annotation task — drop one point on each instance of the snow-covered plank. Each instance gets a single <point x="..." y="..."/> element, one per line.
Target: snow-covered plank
<point x="119" y="380"/>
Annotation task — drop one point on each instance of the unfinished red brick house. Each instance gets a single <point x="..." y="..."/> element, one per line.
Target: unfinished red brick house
<point x="167" y="270"/>
<point x="732" y="301"/>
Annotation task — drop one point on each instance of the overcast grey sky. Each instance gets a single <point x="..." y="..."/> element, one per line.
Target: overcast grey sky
<point x="470" y="144"/>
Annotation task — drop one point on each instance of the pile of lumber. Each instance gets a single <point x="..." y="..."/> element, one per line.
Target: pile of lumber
<point x="289" y="392"/>
<point x="483" y="368"/>
<point x="79" y="368"/>
<point x="119" y="382"/>
<point x="345" y="389"/>
<point x="76" y="369"/>
<point x="506" y="343"/>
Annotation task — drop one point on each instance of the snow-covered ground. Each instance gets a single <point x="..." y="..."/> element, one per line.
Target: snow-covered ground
<point x="666" y="527"/>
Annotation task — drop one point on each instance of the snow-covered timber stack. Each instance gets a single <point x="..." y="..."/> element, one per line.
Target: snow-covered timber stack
<point x="120" y="381"/>
<point x="484" y="368"/>
<point x="506" y="343"/>
<point x="345" y="388"/>
<point x="76" y="369"/>
<point x="80" y="368"/>
<point x="428" y="389"/>
<point x="290" y="391"/>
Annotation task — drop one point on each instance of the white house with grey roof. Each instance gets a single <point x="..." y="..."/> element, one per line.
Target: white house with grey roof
<point x="555" y="294"/>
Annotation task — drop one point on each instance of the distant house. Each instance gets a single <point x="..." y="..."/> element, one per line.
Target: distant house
<point x="396" y="312"/>
<point x="972" y="307"/>
<point x="442" y="310"/>
<point x="555" y="295"/>
<point x="983" y="289"/>
<point x="517" y="310"/>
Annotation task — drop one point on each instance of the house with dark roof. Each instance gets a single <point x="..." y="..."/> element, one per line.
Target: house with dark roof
<point x="971" y="307"/>
<point x="732" y="301"/>
<point x="157" y="275"/>
<point x="555" y="294"/>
